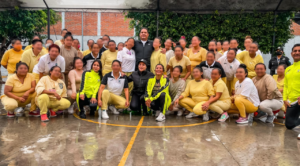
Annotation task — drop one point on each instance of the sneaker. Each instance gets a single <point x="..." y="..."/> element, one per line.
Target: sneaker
<point x="206" y="116"/>
<point x="104" y="114"/>
<point x="191" y="115"/>
<point x="10" y="114"/>
<point x="250" y="117"/>
<point x="260" y="115"/>
<point x="223" y="117"/>
<point x="19" y="111"/>
<point x="242" y="120"/>
<point x="82" y="114"/>
<point x="179" y="112"/>
<point x="157" y="113"/>
<point x="34" y="113"/>
<point x="71" y="109"/>
<point x="44" y="118"/>
<point x="114" y="110"/>
<point x="270" y="119"/>
<point x="52" y="113"/>
<point x="161" y="117"/>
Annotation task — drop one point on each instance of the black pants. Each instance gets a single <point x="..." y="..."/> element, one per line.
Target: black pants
<point x="137" y="101"/>
<point x="87" y="101"/>
<point x="159" y="103"/>
<point x="292" y="116"/>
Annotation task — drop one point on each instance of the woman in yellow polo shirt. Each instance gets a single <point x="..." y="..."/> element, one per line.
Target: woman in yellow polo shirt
<point x="279" y="78"/>
<point x="19" y="91"/>
<point x="108" y="57"/>
<point x="12" y="57"/>
<point x="197" y="92"/>
<point x="157" y="57"/>
<point x="51" y="94"/>
<point x="196" y="54"/>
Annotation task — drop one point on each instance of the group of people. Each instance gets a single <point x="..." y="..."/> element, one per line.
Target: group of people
<point x="141" y="75"/>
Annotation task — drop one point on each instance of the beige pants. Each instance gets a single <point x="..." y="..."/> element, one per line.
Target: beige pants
<point x="189" y="104"/>
<point x="44" y="103"/>
<point x="110" y="98"/>
<point x="220" y="106"/>
<point x="11" y="104"/>
<point x="230" y="85"/>
<point x="242" y="106"/>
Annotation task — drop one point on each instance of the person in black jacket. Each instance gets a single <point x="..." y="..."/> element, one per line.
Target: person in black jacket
<point x="277" y="60"/>
<point x="139" y="79"/>
<point x="209" y="65"/>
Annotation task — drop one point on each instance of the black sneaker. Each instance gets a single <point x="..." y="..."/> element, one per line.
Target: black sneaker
<point x="260" y="115"/>
<point x="82" y="115"/>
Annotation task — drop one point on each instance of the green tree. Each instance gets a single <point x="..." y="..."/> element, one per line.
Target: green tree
<point x="218" y="26"/>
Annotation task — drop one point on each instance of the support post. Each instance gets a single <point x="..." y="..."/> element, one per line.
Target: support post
<point x="48" y="19"/>
<point x="274" y="34"/>
<point x="157" y="18"/>
<point x="82" y="30"/>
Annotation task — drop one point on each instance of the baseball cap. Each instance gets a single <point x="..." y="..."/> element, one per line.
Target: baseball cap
<point x="143" y="60"/>
<point x="279" y="48"/>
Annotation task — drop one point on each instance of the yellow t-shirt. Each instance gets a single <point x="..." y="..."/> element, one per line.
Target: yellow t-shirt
<point x="85" y="52"/>
<point x="10" y="59"/>
<point x="199" y="91"/>
<point x="245" y="58"/>
<point x="30" y="59"/>
<point x="46" y="83"/>
<point x="196" y="58"/>
<point x="280" y="84"/>
<point x="58" y="42"/>
<point x="184" y="63"/>
<point x="30" y="47"/>
<point x="158" y="58"/>
<point x="107" y="58"/>
<point x="221" y="87"/>
<point x="18" y="88"/>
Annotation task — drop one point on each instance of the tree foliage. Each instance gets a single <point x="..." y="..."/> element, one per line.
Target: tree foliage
<point x="218" y="26"/>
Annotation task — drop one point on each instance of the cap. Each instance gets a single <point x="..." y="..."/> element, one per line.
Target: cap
<point x="279" y="48"/>
<point x="143" y="60"/>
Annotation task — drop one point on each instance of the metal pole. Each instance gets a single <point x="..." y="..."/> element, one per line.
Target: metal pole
<point x="157" y="23"/>
<point x="48" y="23"/>
<point x="274" y="34"/>
<point x="82" y="30"/>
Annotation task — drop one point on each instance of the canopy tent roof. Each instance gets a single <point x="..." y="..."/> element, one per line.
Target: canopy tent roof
<point x="154" y="5"/>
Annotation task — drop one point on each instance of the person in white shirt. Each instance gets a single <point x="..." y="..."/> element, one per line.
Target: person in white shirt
<point x="230" y="65"/>
<point x="53" y="58"/>
<point x="233" y="44"/>
<point x="246" y="99"/>
<point x="127" y="59"/>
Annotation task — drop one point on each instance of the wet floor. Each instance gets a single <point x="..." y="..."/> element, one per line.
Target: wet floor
<point x="136" y="141"/>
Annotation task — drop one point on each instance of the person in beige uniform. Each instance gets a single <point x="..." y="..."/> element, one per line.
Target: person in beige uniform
<point x="108" y="57"/>
<point x="61" y="41"/>
<point x="212" y="46"/>
<point x="183" y="43"/>
<point x="269" y="95"/>
<point x="76" y="45"/>
<point x="196" y="54"/>
<point x="51" y="94"/>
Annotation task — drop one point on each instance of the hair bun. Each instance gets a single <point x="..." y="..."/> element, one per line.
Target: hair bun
<point x="243" y="66"/>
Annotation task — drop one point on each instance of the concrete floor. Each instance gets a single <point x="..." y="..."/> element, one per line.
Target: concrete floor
<point x="140" y="141"/>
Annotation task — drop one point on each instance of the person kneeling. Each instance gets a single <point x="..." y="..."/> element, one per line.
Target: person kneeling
<point x="196" y="93"/>
<point x="115" y="83"/>
<point x="19" y="91"/>
<point x="246" y="100"/>
<point x="90" y="83"/>
<point x="157" y="93"/>
<point x="51" y="94"/>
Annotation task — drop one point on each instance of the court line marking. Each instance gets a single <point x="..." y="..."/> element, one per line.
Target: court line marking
<point x="130" y="144"/>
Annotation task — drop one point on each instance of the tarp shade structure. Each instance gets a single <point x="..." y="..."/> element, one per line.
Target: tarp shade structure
<point x="154" y="5"/>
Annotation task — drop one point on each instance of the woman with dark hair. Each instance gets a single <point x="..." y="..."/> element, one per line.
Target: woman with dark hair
<point x="108" y="57"/>
<point x="19" y="91"/>
<point x="246" y="99"/>
<point x="74" y="82"/>
<point x="197" y="92"/>
<point x="183" y="43"/>
<point x="61" y="41"/>
<point x="279" y="78"/>
<point x="196" y="54"/>
<point x="68" y="53"/>
<point x="170" y="53"/>
<point x="157" y="57"/>
<point x="88" y="93"/>
<point x="51" y="94"/>
<point x="157" y="94"/>
<point x="120" y="46"/>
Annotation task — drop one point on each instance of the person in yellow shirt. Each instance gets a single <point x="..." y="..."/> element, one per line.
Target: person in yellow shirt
<point x="12" y="57"/>
<point x="31" y="57"/>
<point x="157" y="57"/>
<point x="225" y="46"/>
<point x="108" y="57"/>
<point x="19" y="91"/>
<point x="61" y="41"/>
<point x="196" y="54"/>
<point x="197" y="92"/>
<point x="90" y="42"/>
<point x="51" y="94"/>
<point x="29" y="47"/>
<point x="279" y="78"/>
<point x="250" y="59"/>
<point x="183" y="43"/>
<point x="219" y="47"/>
<point x="291" y="92"/>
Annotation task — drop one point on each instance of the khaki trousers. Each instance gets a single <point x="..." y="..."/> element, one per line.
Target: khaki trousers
<point x="112" y="99"/>
<point x="44" y="103"/>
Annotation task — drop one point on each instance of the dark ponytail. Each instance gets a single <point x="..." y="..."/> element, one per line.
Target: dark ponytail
<point x="243" y="66"/>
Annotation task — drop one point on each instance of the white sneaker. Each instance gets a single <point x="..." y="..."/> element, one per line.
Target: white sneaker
<point x="157" y="113"/>
<point x="19" y="111"/>
<point x="104" y="114"/>
<point x="161" y="117"/>
<point x="71" y="109"/>
<point x="179" y="112"/>
<point x="206" y="116"/>
<point x="190" y="115"/>
<point x="113" y="110"/>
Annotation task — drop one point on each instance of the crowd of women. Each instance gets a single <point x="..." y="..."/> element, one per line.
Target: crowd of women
<point x="142" y="76"/>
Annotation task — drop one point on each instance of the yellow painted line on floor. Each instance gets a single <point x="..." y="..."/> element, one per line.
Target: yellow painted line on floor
<point x="131" y="142"/>
<point x="279" y="123"/>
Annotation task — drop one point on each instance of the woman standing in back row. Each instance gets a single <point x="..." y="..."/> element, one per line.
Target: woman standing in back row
<point x="196" y="54"/>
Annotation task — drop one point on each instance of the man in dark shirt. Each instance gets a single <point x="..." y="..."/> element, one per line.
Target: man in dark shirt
<point x="277" y="60"/>
<point x="105" y="40"/>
